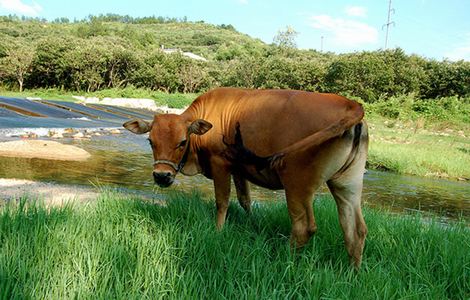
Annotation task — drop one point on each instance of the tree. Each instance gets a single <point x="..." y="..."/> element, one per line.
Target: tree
<point x="88" y="65"/>
<point x="51" y="68"/>
<point x="286" y="38"/>
<point x="192" y="76"/>
<point x="17" y="62"/>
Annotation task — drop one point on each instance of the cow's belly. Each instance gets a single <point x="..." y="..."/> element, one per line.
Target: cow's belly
<point x="267" y="178"/>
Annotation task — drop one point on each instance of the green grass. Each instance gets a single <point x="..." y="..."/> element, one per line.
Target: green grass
<point x="126" y="248"/>
<point x="408" y="148"/>
<point x="49" y="94"/>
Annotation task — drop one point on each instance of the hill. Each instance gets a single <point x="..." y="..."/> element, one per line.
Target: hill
<point x="210" y="41"/>
<point x="115" y="51"/>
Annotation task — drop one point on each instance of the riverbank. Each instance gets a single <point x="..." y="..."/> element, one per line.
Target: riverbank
<point x="407" y="136"/>
<point x="406" y="147"/>
<point x="124" y="247"/>
<point x="50" y="194"/>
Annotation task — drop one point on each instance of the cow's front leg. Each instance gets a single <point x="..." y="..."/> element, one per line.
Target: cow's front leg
<point x="221" y="177"/>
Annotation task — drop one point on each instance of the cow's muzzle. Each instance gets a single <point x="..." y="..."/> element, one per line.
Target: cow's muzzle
<point x="163" y="179"/>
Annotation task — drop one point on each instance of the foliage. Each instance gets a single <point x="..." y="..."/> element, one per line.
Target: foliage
<point x="113" y="51"/>
<point x="409" y="107"/>
<point x="16" y="63"/>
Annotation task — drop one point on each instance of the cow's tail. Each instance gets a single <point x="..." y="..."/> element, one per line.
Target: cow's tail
<point x="313" y="141"/>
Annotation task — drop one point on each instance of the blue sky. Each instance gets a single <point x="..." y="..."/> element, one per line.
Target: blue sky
<point x="433" y="28"/>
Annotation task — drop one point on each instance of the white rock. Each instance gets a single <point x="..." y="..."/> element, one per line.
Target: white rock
<point x="78" y="135"/>
<point x="115" y="131"/>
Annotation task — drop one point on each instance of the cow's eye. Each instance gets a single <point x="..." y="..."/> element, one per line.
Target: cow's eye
<point x="182" y="144"/>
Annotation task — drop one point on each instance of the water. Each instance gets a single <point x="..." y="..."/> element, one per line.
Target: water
<point x="33" y="108"/>
<point x="21" y="114"/>
<point x="125" y="161"/>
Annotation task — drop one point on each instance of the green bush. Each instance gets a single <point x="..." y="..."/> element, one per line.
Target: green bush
<point x="409" y="107"/>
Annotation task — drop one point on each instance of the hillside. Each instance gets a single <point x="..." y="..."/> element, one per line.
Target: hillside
<point x="200" y="38"/>
<point x="119" y="51"/>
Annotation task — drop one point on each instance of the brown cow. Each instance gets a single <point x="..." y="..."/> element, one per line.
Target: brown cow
<point x="278" y="139"/>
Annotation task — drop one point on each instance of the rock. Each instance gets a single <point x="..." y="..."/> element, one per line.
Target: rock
<point x="34" y="98"/>
<point x="97" y="134"/>
<point x="69" y="130"/>
<point x="57" y="135"/>
<point x="115" y="131"/>
<point x="29" y="135"/>
<point x="78" y="135"/>
<point x="43" y="149"/>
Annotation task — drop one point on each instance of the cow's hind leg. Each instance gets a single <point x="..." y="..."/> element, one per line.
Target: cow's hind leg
<point x="300" y="206"/>
<point x="347" y="190"/>
<point x="243" y="192"/>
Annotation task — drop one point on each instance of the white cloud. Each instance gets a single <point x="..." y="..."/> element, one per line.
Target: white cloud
<point x="461" y="51"/>
<point x="356" y="11"/>
<point x="243" y="1"/>
<point x="346" y="33"/>
<point x="18" y="7"/>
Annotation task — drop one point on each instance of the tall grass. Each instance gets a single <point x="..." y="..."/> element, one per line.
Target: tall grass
<point x="438" y="160"/>
<point x="121" y="247"/>
<point x="413" y="149"/>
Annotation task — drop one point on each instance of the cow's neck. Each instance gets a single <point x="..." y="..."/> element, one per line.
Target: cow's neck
<point x="192" y="166"/>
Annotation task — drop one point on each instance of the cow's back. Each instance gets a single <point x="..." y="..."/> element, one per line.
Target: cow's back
<point x="269" y="120"/>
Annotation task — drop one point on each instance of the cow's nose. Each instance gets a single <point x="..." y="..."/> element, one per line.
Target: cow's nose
<point x="163" y="179"/>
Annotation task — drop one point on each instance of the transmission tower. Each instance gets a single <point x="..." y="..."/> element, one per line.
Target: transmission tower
<point x="389" y="21"/>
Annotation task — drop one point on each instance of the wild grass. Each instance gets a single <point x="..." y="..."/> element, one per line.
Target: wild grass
<point x="126" y="248"/>
<point x="414" y="149"/>
<point x="49" y="94"/>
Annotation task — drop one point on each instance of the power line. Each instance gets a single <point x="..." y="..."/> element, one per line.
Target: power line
<point x="389" y="21"/>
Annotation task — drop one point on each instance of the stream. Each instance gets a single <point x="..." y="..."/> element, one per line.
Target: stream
<point x="125" y="161"/>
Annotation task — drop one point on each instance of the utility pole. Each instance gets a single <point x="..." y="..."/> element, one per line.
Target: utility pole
<point x="321" y="45"/>
<point x="389" y="21"/>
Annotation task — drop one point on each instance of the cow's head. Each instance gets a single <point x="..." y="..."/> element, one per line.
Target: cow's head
<point x="169" y="138"/>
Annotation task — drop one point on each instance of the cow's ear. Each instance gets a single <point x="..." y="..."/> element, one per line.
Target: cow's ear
<point x="138" y="126"/>
<point x="199" y="127"/>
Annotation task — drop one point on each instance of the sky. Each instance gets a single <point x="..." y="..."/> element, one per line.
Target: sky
<point x="437" y="29"/>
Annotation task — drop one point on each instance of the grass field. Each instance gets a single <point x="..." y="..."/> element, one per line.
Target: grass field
<point x="406" y="148"/>
<point x="126" y="248"/>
